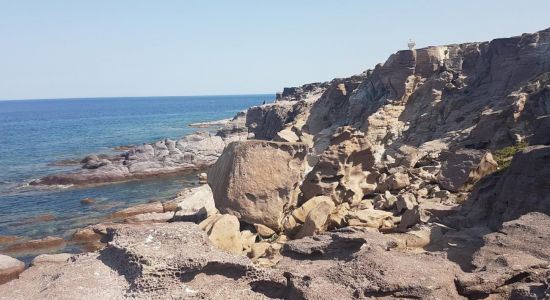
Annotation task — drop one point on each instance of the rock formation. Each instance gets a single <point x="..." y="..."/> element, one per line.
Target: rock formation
<point x="412" y="180"/>
<point x="257" y="181"/>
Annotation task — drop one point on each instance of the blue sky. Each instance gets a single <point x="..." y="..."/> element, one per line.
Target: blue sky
<point x="60" y="49"/>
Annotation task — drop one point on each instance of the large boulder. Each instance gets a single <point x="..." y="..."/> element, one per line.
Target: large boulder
<point x="10" y="268"/>
<point x="461" y="169"/>
<point x="257" y="180"/>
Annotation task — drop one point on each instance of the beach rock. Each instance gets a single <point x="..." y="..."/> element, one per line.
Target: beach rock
<point x="153" y="207"/>
<point x="8" y="239"/>
<point x="33" y="246"/>
<point x="193" y="203"/>
<point x="51" y="258"/>
<point x="264" y="231"/>
<point x="150" y="218"/>
<point x="86" y="234"/>
<point x="10" y="268"/>
<point x="461" y="169"/>
<point x="256" y="192"/>
<point x="203" y="178"/>
<point x="223" y="231"/>
<point x="316" y="220"/>
<point x="300" y="213"/>
<point x="372" y="218"/>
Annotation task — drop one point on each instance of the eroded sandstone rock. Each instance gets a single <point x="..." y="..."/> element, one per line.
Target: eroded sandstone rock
<point x="462" y="168"/>
<point x="254" y="189"/>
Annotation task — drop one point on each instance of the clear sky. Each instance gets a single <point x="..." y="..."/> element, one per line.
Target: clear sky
<point x="71" y="48"/>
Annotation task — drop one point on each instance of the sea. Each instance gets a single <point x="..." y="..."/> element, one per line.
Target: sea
<point x="35" y="135"/>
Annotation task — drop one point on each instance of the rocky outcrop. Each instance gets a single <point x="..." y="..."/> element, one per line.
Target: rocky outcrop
<point x="461" y="169"/>
<point x="258" y="180"/>
<point x="519" y="189"/>
<point x="190" y="153"/>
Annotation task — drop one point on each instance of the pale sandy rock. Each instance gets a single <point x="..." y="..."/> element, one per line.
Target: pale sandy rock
<point x="150" y="218"/>
<point x="258" y="249"/>
<point x="246" y="186"/>
<point x="51" y="258"/>
<point x="194" y="202"/>
<point x="154" y="207"/>
<point x="373" y="218"/>
<point x="412" y="217"/>
<point x="316" y="220"/>
<point x="264" y="231"/>
<point x="224" y="233"/>
<point x="300" y="213"/>
<point x="398" y="181"/>
<point x="247" y="240"/>
<point x="337" y="218"/>
<point x="10" y="268"/>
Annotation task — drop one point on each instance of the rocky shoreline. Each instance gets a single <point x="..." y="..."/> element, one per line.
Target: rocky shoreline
<point x="191" y="153"/>
<point x="425" y="178"/>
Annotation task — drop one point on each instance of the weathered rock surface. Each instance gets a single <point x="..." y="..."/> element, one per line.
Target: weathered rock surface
<point x="521" y="188"/>
<point x="10" y="268"/>
<point x="514" y="263"/>
<point x="344" y="171"/>
<point x="461" y="169"/>
<point x="36" y="246"/>
<point x="223" y="231"/>
<point x="246" y="185"/>
<point x="195" y="203"/>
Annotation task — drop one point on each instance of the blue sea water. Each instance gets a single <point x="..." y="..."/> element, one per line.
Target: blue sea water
<point x="36" y="133"/>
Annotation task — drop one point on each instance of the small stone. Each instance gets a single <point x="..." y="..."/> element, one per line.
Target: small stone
<point x="87" y="201"/>
<point x="264" y="231"/>
<point x="258" y="249"/>
<point x="412" y="217"/>
<point x="405" y="201"/>
<point x="398" y="181"/>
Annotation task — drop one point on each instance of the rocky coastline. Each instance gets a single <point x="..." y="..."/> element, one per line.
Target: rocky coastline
<point x="424" y="178"/>
<point x="191" y="153"/>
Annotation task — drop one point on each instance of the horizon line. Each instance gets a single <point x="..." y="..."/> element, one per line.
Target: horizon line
<point x="122" y="97"/>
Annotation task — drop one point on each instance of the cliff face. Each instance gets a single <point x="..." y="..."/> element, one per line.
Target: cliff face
<point x="476" y="95"/>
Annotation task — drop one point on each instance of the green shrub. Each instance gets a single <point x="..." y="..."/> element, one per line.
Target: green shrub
<point x="504" y="156"/>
